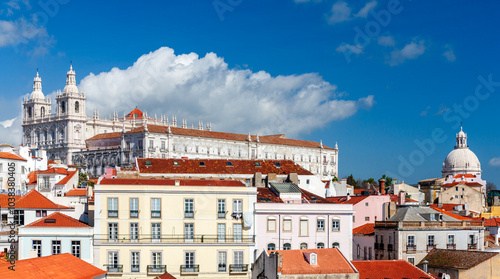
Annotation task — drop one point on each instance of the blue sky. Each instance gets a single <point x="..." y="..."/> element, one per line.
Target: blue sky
<point x="336" y="71"/>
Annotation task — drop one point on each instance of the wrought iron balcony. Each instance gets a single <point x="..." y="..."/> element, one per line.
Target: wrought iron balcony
<point x="135" y="268"/>
<point x="172" y="238"/>
<point x="155" y="214"/>
<point x="472" y="246"/>
<point x="112" y="213"/>
<point x="430" y="247"/>
<point x="221" y="215"/>
<point x="188" y="214"/>
<point x="411" y="248"/>
<point x="390" y="247"/>
<point x="222" y="268"/>
<point x="114" y="268"/>
<point x="156" y="269"/>
<point x="192" y="268"/>
<point x="134" y="213"/>
<point x="451" y="246"/>
<point x="381" y="246"/>
<point x="238" y="268"/>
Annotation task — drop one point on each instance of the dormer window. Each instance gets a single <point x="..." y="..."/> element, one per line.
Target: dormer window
<point x="229" y="164"/>
<point x="277" y="164"/>
<point x="257" y="164"/>
<point x="313" y="260"/>
<point x="176" y="163"/>
<point x="202" y="164"/>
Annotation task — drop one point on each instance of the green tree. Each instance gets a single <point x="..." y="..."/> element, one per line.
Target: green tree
<point x="388" y="180"/>
<point x="352" y="181"/>
<point x="335" y="179"/>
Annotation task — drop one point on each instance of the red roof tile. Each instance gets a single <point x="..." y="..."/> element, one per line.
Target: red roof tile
<point x="444" y="206"/>
<point x="389" y="269"/>
<point x="493" y="222"/>
<point x="32" y="177"/>
<point x="360" y="191"/>
<point x="366" y="229"/>
<point x="395" y="198"/>
<point x="138" y="114"/>
<point x="171" y="182"/>
<point x="461" y="182"/>
<point x="165" y="275"/>
<point x="4" y="200"/>
<point x="54" y="267"/>
<point x="11" y="156"/>
<point x="106" y="136"/>
<point x="468" y="175"/>
<point x="59" y="220"/>
<point x="66" y="178"/>
<point x="33" y="199"/>
<point x="54" y="170"/>
<point x="347" y="199"/>
<point x="266" y="195"/>
<point x="219" y="166"/>
<point x="294" y="262"/>
<point x="456" y="216"/>
<point x="50" y="162"/>
<point x="76" y="192"/>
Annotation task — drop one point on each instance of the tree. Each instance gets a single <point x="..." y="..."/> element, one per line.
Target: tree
<point x="352" y="181"/>
<point x="369" y="183"/>
<point x="388" y="180"/>
<point x="490" y="186"/>
<point x="335" y="179"/>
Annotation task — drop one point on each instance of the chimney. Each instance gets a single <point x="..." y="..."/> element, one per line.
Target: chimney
<point x="401" y="198"/>
<point x="381" y="183"/>
<point x="425" y="265"/>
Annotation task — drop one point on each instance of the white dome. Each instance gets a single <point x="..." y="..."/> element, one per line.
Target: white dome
<point x="461" y="160"/>
<point x="70" y="88"/>
<point x="37" y="95"/>
<point x="37" y="88"/>
<point x="70" y="82"/>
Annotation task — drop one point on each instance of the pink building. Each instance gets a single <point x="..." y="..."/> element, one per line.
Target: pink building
<point x="368" y="209"/>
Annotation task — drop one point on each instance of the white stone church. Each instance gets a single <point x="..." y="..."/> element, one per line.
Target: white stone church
<point x="94" y="143"/>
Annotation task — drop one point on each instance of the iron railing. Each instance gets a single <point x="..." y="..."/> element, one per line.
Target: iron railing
<point x="411" y="248"/>
<point x="238" y="268"/>
<point x="115" y="268"/>
<point x="192" y="268"/>
<point x="156" y="269"/>
<point x="173" y="238"/>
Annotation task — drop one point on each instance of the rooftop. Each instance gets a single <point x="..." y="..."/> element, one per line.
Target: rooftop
<point x="418" y="214"/>
<point x="389" y="269"/>
<point x="59" y="220"/>
<point x="171" y="182"/>
<point x="11" y="156"/>
<point x="76" y="192"/>
<point x="33" y="199"/>
<point x="266" y="195"/>
<point x="366" y="229"/>
<point x="456" y="259"/>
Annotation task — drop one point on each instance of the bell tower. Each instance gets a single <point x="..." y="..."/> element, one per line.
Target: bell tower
<point x="36" y="109"/>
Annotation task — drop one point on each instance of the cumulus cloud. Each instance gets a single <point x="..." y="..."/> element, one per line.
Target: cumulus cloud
<point x="386" y="41"/>
<point x="357" y="49"/>
<point x="340" y="12"/>
<point x="11" y="131"/>
<point x="366" y="9"/>
<point x="449" y="54"/>
<point x="204" y="88"/>
<point x="20" y="31"/>
<point x="408" y="52"/>
<point x="495" y="162"/>
<point x="7" y="123"/>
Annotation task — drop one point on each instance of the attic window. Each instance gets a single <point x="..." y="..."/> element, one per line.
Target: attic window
<point x="257" y="164"/>
<point x="49" y="221"/>
<point x="313" y="260"/>
<point x="176" y="163"/>
<point x="148" y="163"/>
<point x="277" y="164"/>
<point x="229" y="164"/>
<point x="202" y="164"/>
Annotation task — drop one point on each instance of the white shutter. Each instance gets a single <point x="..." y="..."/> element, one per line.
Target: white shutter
<point x="287" y="225"/>
<point x="303" y="227"/>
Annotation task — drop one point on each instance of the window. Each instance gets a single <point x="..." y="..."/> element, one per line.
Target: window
<point x="162" y="145"/>
<point x="188" y="208"/>
<point x="304" y="224"/>
<point x="335" y="245"/>
<point x="370" y="253"/>
<point x="134" y="232"/>
<point x="134" y="262"/>
<point x="221" y="232"/>
<point x="237" y="232"/>
<point x="75" y="248"/>
<point x="221" y="209"/>
<point x="189" y="261"/>
<point x="365" y="253"/>
<point x="77" y="107"/>
<point x="238" y="258"/>
<point x="271" y="246"/>
<point x="411" y="260"/>
<point x="222" y="260"/>
<point x="287" y="224"/>
<point x="113" y="207"/>
<point x="472" y="239"/>
<point x="358" y="252"/>
<point x="237" y="206"/>
<point x="113" y="231"/>
<point x="37" y="246"/>
<point x="113" y="261"/>
<point x="321" y="225"/>
<point x="189" y="232"/>
<point x="451" y="239"/>
<point x="176" y="163"/>
<point x="287" y="246"/>
<point x="56" y="247"/>
<point x="303" y="245"/>
<point x="134" y="208"/>
<point x="156" y="232"/>
<point x="41" y="213"/>
<point x="229" y="164"/>
<point x="411" y="240"/>
<point x="19" y="217"/>
<point x="156" y="258"/>
<point x="367" y="218"/>
<point x="430" y="240"/>
<point x="335" y="225"/>
<point x="155" y="208"/>
<point x="271" y="224"/>
<point x="151" y="144"/>
<point x="313" y="260"/>
<point x="308" y="181"/>
<point x="320" y="245"/>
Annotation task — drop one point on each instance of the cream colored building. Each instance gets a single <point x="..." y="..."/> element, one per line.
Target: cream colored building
<point x="463" y="194"/>
<point x="190" y="228"/>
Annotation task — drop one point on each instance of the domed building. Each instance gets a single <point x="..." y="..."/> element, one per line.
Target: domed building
<point x="461" y="160"/>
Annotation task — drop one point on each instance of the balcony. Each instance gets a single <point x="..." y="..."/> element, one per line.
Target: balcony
<point x="430" y="247"/>
<point x="472" y="246"/>
<point x="112" y="213"/>
<point x="221" y="215"/>
<point x="163" y="149"/>
<point x="381" y="246"/>
<point x="188" y="214"/>
<point x="192" y="268"/>
<point x="390" y="247"/>
<point x="237" y="215"/>
<point x="238" y="268"/>
<point x="135" y="268"/>
<point x="114" y="268"/>
<point x="156" y="269"/>
<point x="155" y="214"/>
<point x="376" y="246"/>
<point x="171" y="238"/>
<point x="411" y="248"/>
<point x="451" y="246"/>
<point x="222" y="268"/>
<point x="134" y="213"/>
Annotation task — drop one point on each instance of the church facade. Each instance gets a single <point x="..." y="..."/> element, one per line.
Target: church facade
<point x="94" y="143"/>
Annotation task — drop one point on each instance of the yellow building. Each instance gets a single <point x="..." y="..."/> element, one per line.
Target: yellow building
<point x="189" y="228"/>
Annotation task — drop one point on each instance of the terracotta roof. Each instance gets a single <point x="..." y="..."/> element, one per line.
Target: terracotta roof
<point x="445" y="206"/>
<point x="493" y="222"/>
<point x="327" y="183"/>
<point x="106" y="136"/>
<point x="468" y="175"/>
<point x="59" y="220"/>
<point x="171" y="182"/>
<point x="11" y="156"/>
<point x="4" y="200"/>
<point x="54" y="170"/>
<point x="395" y="198"/>
<point x="139" y="115"/>
<point x="461" y="182"/>
<point x="347" y="199"/>
<point x="389" y="269"/>
<point x="312" y="198"/>
<point x="66" y="178"/>
<point x="219" y="166"/>
<point x="366" y="229"/>
<point x="53" y="267"/>
<point x="266" y="195"/>
<point x="294" y="262"/>
<point x="456" y="216"/>
<point x="50" y="162"/>
<point x="76" y="192"/>
<point x="165" y="275"/>
<point x="32" y="177"/>
<point x="456" y="259"/>
<point x="272" y="139"/>
<point x="33" y="199"/>
<point x="360" y="191"/>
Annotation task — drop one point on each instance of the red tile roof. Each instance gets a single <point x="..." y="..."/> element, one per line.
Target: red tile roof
<point x="266" y="195"/>
<point x="493" y="222"/>
<point x="468" y="175"/>
<point x="11" y="156"/>
<point x="456" y="259"/>
<point x="389" y="269"/>
<point x="33" y="199"/>
<point x="395" y="198"/>
<point x="66" y="179"/>
<point x="294" y="262"/>
<point x="219" y="166"/>
<point x="456" y="216"/>
<point x="366" y="229"/>
<point x="171" y="182"/>
<point x="32" y="177"/>
<point x="76" y="192"/>
<point x="4" y="200"/>
<point x="53" y="267"/>
<point x="347" y="199"/>
<point x="59" y="220"/>
<point x="54" y="170"/>
<point x="50" y="162"/>
<point x="360" y="191"/>
<point x="106" y="136"/>
<point x="139" y="114"/>
<point x="490" y="239"/>
<point x="165" y="275"/>
<point x="272" y="139"/>
<point x="444" y="206"/>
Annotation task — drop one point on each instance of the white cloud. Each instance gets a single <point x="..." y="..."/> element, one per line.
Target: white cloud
<point x="11" y="131"/>
<point x="7" y="123"/>
<point x="495" y="162"/>
<point x="408" y="52"/>
<point x="366" y="9"/>
<point x="386" y="41"/>
<point x="449" y="54"/>
<point x="204" y="88"/>
<point x="425" y="111"/>
<point x="20" y="31"/>
<point x="357" y="49"/>
<point x="340" y="12"/>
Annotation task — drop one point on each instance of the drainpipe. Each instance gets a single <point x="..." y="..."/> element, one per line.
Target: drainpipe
<point x="279" y="233"/>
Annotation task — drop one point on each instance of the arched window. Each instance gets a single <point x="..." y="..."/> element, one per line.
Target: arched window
<point x="320" y="245"/>
<point x="42" y="112"/>
<point x="287" y="246"/>
<point x="63" y="107"/>
<point x="335" y="245"/>
<point x="271" y="246"/>
<point x="29" y="112"/>
<point x="303" y="245"/>
<point x="77" y="107"/>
